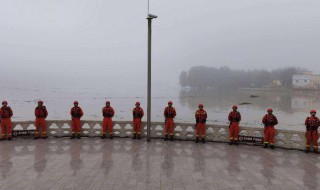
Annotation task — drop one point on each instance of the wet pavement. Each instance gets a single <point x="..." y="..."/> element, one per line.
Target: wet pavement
<point x="92" y="163"/>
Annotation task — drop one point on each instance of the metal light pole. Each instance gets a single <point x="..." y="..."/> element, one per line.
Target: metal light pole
<point x="150" y="17"/>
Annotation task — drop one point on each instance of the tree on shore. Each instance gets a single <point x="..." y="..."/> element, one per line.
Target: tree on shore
<point x="183" y="79"/>
<point x="224" y="77"/>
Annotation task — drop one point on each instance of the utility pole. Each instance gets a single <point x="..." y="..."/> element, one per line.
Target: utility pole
<point x="149" y="18"/>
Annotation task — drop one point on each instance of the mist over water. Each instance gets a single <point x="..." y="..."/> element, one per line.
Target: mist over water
<point x="93" y="51"/>
<point x="291" y="107"/>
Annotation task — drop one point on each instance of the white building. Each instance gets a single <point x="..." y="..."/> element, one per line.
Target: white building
<point x="306" y="81"/>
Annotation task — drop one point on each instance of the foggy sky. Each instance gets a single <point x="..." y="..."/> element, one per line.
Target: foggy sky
<point x="104" y="40"/>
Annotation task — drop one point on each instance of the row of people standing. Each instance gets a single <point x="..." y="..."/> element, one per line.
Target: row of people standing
<point x="269" y="120"/>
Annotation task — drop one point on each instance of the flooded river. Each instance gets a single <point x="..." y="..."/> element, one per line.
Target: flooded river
<point x="291" y="107"/>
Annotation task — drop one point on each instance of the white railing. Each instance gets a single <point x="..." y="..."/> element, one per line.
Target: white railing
<point x="183" y="131"/>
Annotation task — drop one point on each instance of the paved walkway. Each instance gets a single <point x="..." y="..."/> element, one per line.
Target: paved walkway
<point x="92" y="163"/>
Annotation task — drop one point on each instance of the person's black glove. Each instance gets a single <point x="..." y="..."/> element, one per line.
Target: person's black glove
<point x="203" y="120"/>
<point x="197" y="120"/>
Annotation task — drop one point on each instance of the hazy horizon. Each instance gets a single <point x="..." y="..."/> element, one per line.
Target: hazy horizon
<point x="80" y="40"/>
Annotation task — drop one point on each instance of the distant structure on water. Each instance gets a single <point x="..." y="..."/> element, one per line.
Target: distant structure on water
<point x="306" y="80"/>
<point x="276" y="84"/>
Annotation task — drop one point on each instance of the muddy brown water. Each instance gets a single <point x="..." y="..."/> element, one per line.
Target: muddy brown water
<point x="291" y="107"/>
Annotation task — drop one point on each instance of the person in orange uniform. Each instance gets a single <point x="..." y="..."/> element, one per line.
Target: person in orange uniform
<point x="76" y="113"/>
<point x="312" y="124"/>
<point x="201" y="118"/>
<point x="269" y="121"/>
<point x="108" y="113"/>
<point x="41" y="114"/>
<point x="6" y="124"/>
<point x="234" y="119"/>
<point x="137" y="113"/>
<point x="169" y="114"/>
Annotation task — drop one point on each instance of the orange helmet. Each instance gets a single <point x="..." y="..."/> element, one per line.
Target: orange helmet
<point x="313" y="111"/>
<point x="169" y="102"/>
<point x="75" y="102"/>
<point x="137" y="103"/>
<point x="269" y="110"/>
<point x="235" y="106"/>
<point x="200" y="105"/>
<point x="4" y="102"/>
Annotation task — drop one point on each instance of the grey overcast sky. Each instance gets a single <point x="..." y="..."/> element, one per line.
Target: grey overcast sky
<point x="90" y="38"/>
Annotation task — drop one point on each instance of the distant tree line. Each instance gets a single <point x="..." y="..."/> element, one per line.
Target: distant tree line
<point x="224" y="77"/>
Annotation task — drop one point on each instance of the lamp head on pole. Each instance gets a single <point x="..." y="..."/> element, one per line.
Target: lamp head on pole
<point x="151" y="16"/>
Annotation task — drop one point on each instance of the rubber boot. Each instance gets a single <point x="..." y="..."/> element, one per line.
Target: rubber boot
<point x="73" y="136"/>
<point x="134" y="136"/>
<point x="171" y="137"/>
<point x="236" y="142"/>
<point x="265" y="145"/>
<point x="203" y="141"/>
<point x="103" y="136"/>
<point x="230" y="142"/>
<point x="79" y="136"/>
<point x="307" y="150"/>
<point x="9" y="138"/>
<point x="44" y="137"/>
<point x="166" y="137"/>
<point x="111" y="137"/>
<point x="139" y="137"/>
<point x="272" y="146"/>
<point x="36" y="135"/>
<point x="197" y="139"/>
<point x="316" y="150"/>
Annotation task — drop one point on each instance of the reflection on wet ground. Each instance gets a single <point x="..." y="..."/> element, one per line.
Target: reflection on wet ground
<point x="125" y="164"/>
